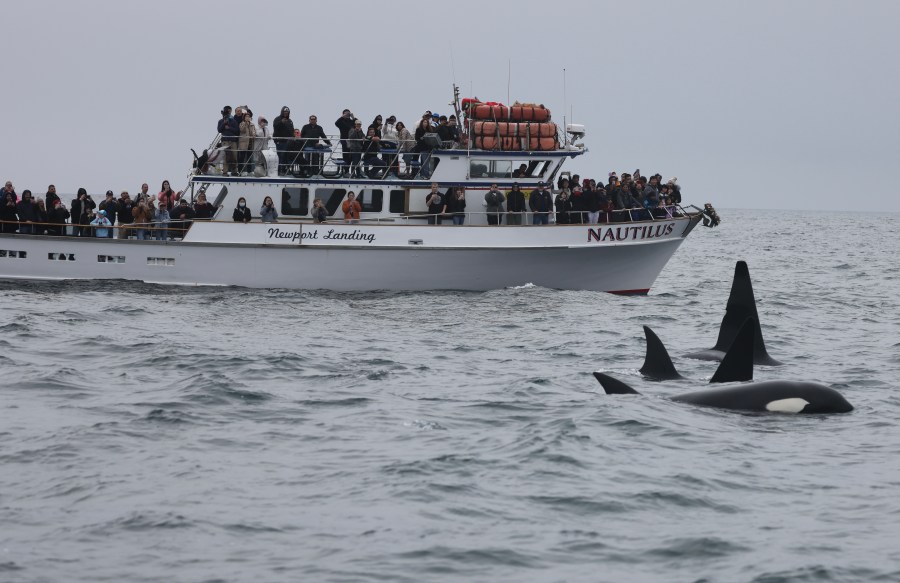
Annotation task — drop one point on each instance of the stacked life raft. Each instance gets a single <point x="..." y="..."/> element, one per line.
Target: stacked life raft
<point x="495" y="126"/>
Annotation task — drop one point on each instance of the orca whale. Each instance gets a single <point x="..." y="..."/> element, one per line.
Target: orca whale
<point x="741" y="305"/>
<point x="737" y="364"/>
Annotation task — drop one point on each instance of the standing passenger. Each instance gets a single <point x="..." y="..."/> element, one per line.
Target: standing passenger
<point x="541" y="203"/>
<point x="241" y="213"/>
<point x="515" y="205"/>
<point x="267" y="212"/>
<point x="351" y="208"/>
<point x="344" y="124"/>
<point x="283" y="132"/>
<point x="28" y="213"/>
<point x="355" y="142"/>
<point x="320" y="213"/>
<point x="8" y="213"/>
<point x="246" y="144"/>
<point x="101" y="223"/>
<point x="142" y="217"/>
<point x="456" y="205"/>
<point x="436" y="205"/>
<point x="57" y="219"/>
<point x="494" y="199"/>
<point x="230" y="130"/>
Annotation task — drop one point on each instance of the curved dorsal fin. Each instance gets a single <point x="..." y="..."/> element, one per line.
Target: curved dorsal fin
<point x="737" y="364"/>
<point x="614" y="386"/>
<point x="657" y="364"/>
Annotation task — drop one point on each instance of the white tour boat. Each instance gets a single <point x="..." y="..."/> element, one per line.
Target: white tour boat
<point x="392" y="246"/>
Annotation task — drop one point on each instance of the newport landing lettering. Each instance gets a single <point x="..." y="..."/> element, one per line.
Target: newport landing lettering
<point x="629" y="233"/>
<point x="313" y="234"/>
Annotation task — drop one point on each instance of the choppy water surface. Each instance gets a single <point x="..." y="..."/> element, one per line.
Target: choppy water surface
<point x="176" y="434"/>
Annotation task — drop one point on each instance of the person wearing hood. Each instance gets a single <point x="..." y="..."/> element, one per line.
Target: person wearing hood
<point x="82" y="213"/>
<point x="8" y="212"/>
<point x="28" y="213"/>
<point x="101" y="225"/>
<point x="109" y="205"/>
<point x="283" y="132"/>
<point x="9" y="189"/>
<point x="57" y="217"/>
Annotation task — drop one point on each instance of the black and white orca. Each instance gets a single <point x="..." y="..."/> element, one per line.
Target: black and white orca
<point x="737" y="365"/>
<point x="741" y="305"/>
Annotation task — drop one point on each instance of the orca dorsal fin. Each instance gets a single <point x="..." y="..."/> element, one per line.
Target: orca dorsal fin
<point x="741" y="305"/>
<point x="737" y="364"/>
<point x="614" y="386"/>
<point x="657" y="363"/>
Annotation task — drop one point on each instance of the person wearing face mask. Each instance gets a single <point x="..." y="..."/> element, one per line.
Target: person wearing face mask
<point x="241" y="213"/>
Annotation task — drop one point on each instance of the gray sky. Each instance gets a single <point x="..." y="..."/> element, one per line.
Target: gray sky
<point x="763" y="104"/>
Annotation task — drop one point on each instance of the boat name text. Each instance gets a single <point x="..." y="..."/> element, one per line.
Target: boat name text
<point x="629" y="233"/>
<point x="331" y="235"/>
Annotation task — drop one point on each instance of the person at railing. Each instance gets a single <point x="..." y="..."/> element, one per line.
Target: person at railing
<point x="51" y="197"/>
<point x="27" y="213"/>
<point x="181" y="217"/>
<point x="356" y="141"/>
<point x="563" y="206"/>
<point x="142" y="218"/>
<point x="515" y="205"/>
<point x="579" y="206"/>
<point x="161" y="222"/>
<point x="260" y="143"/>
<point x="424" y="146"/>
<point x="541" y="204"/>
<point x="230" y="130"/>
<point x="311" y="134"/>
<point x="246" y="144"/>
<point x="283" y="132"/>
<point x="351" y="207"/>
<point x="267" y="212"/>
<point x="436" y="205"/>
<point x="590" y="202"/>
<point x="167" y="197"/>
<point x="57" y="218"/>
<point x="320" y="213"/>
<point x="144" y="194"/>
<point x="241" y="213"/>
<point x="8" y="188"/>
<point x="373" y="164"/>
<point x="40" y="225"/>
<point x="675" y="190"/>
<point x="125" y="214"/>
<point x="375" y="125"/>
<point x="344" y="124"/>
<point x="494" y="200"/>
<point x="406" y="144"/>
<point x="8" y="213"/>
<point x="456" y="205"/>
<point x="101" y="225"/>
<point x="82" y="213"/>
<point x="108" y="204"/>
<point x="389" y="136"/>
<point x="203" y="209"/>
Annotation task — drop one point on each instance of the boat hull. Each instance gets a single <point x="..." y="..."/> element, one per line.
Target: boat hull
<point x="341" y="257"/>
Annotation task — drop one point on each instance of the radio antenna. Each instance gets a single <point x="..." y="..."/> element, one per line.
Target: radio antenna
<point x="565" y="106"/>
<point x="452" y="64"/>
<point x="508" y="79"/>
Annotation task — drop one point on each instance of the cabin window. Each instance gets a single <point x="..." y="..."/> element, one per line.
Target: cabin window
<point x="108" y="259"/>
<point x="19" y="254"/>
<point x="331" y="198"/>
<point x="371" y="200"/>
<point x="488" y="168"/>
<point x="295" y="201"/>
<point x="161" y="261"/>
<point x="398" y="201"/>
<point x="61" y="256"/>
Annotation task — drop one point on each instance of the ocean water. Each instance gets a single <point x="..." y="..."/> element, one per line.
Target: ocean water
<point x="153" y="433"/>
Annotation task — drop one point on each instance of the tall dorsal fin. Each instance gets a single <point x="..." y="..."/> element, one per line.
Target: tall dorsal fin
<point x="614" y="386"/>
<point x="657" y="364"/>
<point x="741" y="305"/>
<point x="737" y="364"/>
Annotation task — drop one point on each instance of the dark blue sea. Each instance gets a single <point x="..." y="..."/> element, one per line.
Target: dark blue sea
<point x="168" y="434"/>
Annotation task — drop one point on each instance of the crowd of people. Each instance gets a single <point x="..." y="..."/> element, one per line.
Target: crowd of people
<point x="629" y="197"/>
<point x="165" y="215"/>
<point x="372" y="152"/>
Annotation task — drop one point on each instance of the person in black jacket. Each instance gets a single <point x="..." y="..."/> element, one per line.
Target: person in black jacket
<point x="456" y="205"/>
<point x="125" y="213"/>
<point x="436" y="205"/>
<point x="344" y="124"/>
<point x="541" y="204"/>
<point x="563" y="207"/>
<point x="109" y="205"/>
<point x="373" y="164"/>
<point x="8" y="213"/>
<point x="181" y="216"/>
<point x="82" y="213"/>
<point x="28" y="213"/>
<point x="311" y="133"/>
<point x="515" y="205"/>
<point x="241" y="213"/>
<point x="51" y="197"/>
<point x="283" y="134"/>
<point x="57" y="218"/>
<point x="230" y="128"/>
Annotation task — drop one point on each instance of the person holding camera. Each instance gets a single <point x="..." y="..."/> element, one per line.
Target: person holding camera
<point x="351" y="208"/>
<point x="344" y="124"/>
<point x="82" y="213"/>
<point x="267" y="212"/>
<point x="456" y="205"/>
<point x="436" y="205"/>
<point x="319" y="212"/>
<point x="494" y="200"/>
<point x="230" y="129"/>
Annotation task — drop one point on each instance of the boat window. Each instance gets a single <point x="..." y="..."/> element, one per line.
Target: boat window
<point x="294" y="201"/>
<point x="398" y="201"/>
<point x="332" y="198"/>
<point x="371" y="200"/>
<point x="490" y="168"/>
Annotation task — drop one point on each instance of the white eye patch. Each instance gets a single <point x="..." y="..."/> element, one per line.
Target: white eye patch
<point x="794" y="405"/>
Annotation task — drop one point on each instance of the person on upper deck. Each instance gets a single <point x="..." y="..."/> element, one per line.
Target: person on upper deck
<point x="230" y="129"/>
<point x="82" y="213"/>
<point x="246" y="145"/>
<point x="375" y="125"/>
<point x="374" y="165"/>
<point x="108" y="204"/>
<point x="283" y="133"/>
<point x="57" y="218"/>
<point x="407" y="144"/>
<point x="125" y="213"/>
<point x="541" y="204"/>
<point x="389" y="136"/>
<point x="344" y="124"/>
<point x="515" y="205"/>
<point x="311" y="134"/>
<point x="51" y="197"/>
<point x="241" y="212"/>
<point x="267" y="212"/>
<point x="9" y="189"/>
<point x="356" y="142"/>
<point x="40" y="227"/>
<point x="260" y="143"/>
<point x="351" y="208"/>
